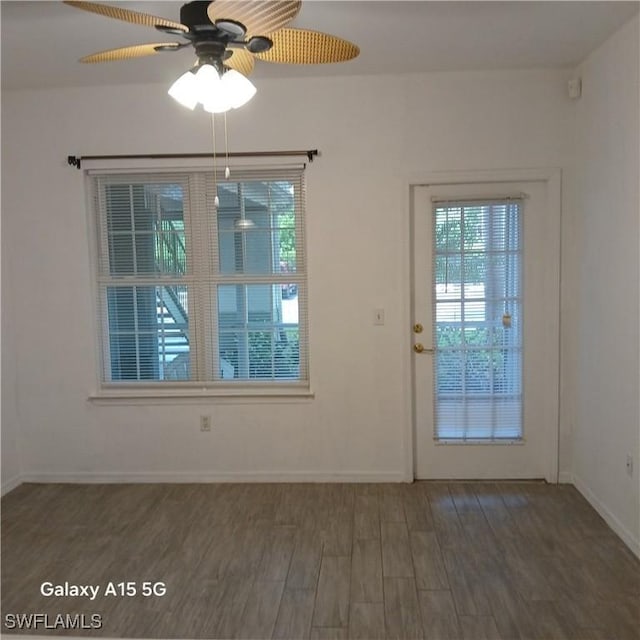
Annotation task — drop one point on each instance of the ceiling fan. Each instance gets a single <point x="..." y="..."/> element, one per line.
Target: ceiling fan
<point x="227" y="35"/>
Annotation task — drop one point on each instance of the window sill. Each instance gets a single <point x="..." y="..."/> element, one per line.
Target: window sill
<point x="483" y="442"/>
<point x="193" y="395"/>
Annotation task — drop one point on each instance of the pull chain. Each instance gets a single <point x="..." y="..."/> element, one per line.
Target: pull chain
<point x="216" y="200"/>
<point x="227" y="171"/>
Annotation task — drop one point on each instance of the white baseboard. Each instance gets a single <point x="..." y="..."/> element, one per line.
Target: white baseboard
<point x="112" y="477"/>
<point x="624" y="533"/>
<point x="11" y="484"/>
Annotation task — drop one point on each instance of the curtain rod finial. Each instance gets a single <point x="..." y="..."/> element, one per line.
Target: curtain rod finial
<point x="74" y="161"/>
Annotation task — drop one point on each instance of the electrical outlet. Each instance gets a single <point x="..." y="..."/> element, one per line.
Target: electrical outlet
<point x="629" y="465"/>
<point x="205" y="423"/>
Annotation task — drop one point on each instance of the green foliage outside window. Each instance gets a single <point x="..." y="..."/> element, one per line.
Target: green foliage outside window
<point x="274" y="355"/>
<point x="287" y="237"/>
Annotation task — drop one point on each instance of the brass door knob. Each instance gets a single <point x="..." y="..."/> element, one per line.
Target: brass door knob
<point x="418" y="347"/>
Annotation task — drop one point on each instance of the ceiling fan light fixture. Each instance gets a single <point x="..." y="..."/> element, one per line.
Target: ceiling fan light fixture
<point x="185" y="90"/>
<point x="244" y="223"/>
<point x="237" y="88"/>
<point x="203" y="84"/>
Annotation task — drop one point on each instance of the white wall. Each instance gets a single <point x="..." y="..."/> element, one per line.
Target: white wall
<point x="9" y="424"/>
<point x="606" y="427"/>
<point x="373" y="133"/>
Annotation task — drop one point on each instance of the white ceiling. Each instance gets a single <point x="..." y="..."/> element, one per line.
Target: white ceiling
<point x="42" y="41"/>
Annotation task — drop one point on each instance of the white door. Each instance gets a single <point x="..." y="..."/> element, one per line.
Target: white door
<point x="485" y="294"/>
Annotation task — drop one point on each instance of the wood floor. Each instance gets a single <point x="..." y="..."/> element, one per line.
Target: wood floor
<point x="323" y="561"/>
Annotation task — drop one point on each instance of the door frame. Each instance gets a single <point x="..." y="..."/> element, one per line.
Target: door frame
<point x="552" y="178"/>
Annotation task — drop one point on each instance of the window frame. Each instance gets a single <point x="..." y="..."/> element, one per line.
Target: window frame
<point x="203" y="324"/>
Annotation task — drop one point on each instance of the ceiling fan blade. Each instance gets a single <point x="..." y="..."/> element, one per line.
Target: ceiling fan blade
<point x="260" y="17"/>
<point x="302" y="46"/>
<point x="134" y="51"/>
<point x="144" y="19"/>
<point x="240" y="60"/>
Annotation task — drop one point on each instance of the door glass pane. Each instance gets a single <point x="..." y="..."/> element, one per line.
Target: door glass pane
<point x="478" y="321"/>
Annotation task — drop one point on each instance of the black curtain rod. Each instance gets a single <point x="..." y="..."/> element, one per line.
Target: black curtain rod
<point x="76" y="161"/>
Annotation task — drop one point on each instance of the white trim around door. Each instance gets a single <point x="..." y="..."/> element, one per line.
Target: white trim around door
<point x="551" y="179"/>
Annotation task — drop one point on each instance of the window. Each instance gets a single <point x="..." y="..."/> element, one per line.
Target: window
<point x="478" y="330"/>
<point x="191" y="295"/>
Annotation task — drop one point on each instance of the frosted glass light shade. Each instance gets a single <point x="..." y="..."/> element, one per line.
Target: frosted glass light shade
<point x="238" y="89"/>
<point x="208" y="81"/>
<point x="210" y="90"/>
<point x="185" y="90"/>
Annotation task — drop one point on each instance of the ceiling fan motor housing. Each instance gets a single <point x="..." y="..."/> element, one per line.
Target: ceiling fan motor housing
<point x="209" y="41"/>
<point x="210" y="52"/>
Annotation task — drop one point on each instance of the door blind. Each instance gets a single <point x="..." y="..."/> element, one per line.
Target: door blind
<point x="477" y="301"/>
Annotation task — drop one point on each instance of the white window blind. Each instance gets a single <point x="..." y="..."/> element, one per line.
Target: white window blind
<point x="191" y="294"/>
<point x="477" y="298"/>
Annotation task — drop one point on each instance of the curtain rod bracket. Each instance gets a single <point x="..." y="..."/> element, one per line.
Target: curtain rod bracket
<point x="74" y="161"/>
